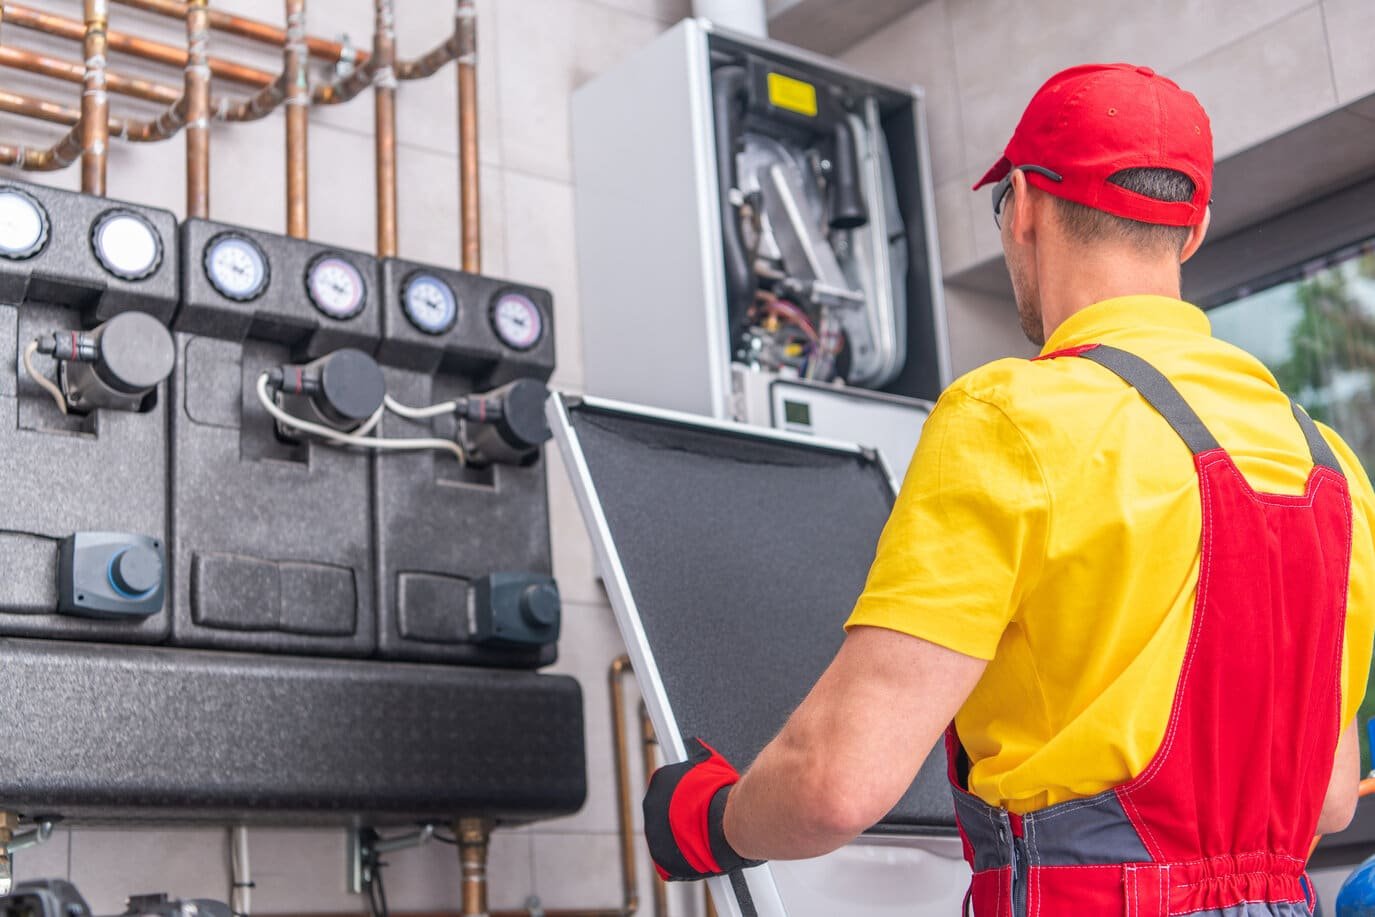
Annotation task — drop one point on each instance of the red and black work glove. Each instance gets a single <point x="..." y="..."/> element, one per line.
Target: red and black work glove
<point x="684" y="807"/>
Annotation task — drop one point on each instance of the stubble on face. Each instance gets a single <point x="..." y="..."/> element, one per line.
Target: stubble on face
<point x="1028" y="303"/>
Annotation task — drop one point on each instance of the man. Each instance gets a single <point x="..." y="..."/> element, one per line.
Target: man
<point x="1135" y="577"/>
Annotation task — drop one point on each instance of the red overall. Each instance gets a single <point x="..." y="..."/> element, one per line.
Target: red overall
<point x="1219" y="823"/>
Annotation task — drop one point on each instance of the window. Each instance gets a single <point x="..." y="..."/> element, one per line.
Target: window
<point x="1315" y="330"/>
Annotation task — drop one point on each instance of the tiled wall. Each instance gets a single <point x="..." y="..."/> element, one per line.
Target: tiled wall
<point x="532" y="53"/>
<point x="1260" y="67"/>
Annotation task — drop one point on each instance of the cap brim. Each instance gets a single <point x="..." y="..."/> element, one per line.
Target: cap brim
<point x="997" y="173"/>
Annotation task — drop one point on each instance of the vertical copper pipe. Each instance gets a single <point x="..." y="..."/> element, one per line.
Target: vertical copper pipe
<point x="197" y="93"/>
<point x="630" y="890"/>
<point x="473" y="835"/>
<point x="384" y="113"/>
<point x="465" y="27"/>
<point x="95" y="104"/>
<point x="296" y="57"/>
<point x="251" y="29"/>
<point x="649" y="748"/>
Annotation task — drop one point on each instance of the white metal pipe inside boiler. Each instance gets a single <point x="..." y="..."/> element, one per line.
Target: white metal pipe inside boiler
<point x="748" y="16"/>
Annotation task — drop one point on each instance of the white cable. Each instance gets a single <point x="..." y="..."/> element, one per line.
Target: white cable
<point x="240" y="874"/>
<point x="434" y="410"/>
<point x="353" y="439"/>
<point x="45" y="383"/>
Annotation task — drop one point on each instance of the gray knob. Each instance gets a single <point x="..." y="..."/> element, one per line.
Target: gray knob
<point x="136" y="570"/>
<point x="539" y="605"/>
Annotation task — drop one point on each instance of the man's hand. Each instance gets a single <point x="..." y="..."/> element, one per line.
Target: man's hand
<point x="683" y="807"/>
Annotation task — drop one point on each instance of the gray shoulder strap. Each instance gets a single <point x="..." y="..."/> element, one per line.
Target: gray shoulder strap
<point x="1317" y="446"/>
<point x="1159" y="394"/>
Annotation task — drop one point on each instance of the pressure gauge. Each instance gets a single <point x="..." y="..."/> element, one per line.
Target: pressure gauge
<point x="23" y="225"/>
<point x="517" y="321"/>
<point x="126" y="244"/>
<point x="429" y="303"/>
<point x="236" y="266"/>
<point x="335" y="286"/>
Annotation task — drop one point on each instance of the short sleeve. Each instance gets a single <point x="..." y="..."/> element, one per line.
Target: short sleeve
<point x="1360" y="599"/>
<point x="967" y="536"/>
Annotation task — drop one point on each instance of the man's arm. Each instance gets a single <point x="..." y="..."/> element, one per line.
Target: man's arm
<point x="1339" y="807"/>
<point x="852" y="748"/>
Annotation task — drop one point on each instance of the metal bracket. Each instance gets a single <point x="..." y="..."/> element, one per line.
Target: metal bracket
<point x="365" y="846"/>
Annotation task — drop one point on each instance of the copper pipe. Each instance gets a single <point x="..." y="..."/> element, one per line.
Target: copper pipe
<point x="344" y="88"/>
<point x="95" y="103"/>
<point x="428" y="63"/>
<point x="710" y="905"/>
<point x="196" y="82"/>
<point x="630" y="893"/>
<point x="649" y="747"/>
<point x="257" y="106"/>
<point x="473" y="835"/>
<point x="465" y="28"/>
<point x="331" y="51"/>
<point x="296" y="58"/>
<point x="58" y="156"/>
<point x="53" y="113"/>
<point x="384" y="112"/>
<point x="62" y="27"/>
<point x="73" y="72"/>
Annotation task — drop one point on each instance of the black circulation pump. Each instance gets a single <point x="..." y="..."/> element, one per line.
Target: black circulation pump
<point x="116" y="365"/>
<point x="506" y="425"/>
<point x="344" y="387"/>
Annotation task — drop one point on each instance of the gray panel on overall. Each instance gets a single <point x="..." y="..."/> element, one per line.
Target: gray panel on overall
<point x="162" y="734"/>
<point x="744" y="555"/>
<point x="102" y="471"/>
<point x="272" y="539"/>
<point x="441" y="526"/>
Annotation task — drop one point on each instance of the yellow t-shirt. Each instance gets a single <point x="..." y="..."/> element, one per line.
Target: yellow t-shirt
<point x="1050" y="523"/>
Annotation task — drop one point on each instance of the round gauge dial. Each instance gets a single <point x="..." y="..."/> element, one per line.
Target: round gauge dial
<point x="429" y="303"/>
<point x="23" y="224"/>
<point x="236" y="266"/>
<point x="335" y="286"/>
<point x="517" y="321"/>
<point x="126" y="244"/>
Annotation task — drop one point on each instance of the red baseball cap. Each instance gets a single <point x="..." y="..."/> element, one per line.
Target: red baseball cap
<point x="1090" y="122"/>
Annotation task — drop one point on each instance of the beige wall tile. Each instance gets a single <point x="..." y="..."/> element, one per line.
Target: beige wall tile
<point x="577" y="870"/>
<point x="1350" y="35"/>
<point x="301" y="870"/>
<point x="108" y="865"/>
<point x="954" y="224"/>
<point x="1265" y="84"/>
<point x="983" y="328"/>
<point x="46" y="861"/>
<point x="916" y="49"/>
<point x="575" y="565"/>
<point x="587" y="645"/>
<point x="539" y="250"/>
<point x="1005" y="49"/>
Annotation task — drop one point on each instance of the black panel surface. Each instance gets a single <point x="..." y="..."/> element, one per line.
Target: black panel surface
<point x="744" y="556"/>
<point x="157" y="734"/>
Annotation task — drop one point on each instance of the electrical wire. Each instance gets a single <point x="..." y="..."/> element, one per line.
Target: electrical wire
<point x="42" y="381"/>
<point x="240" y="874"/>
<point x="434" y="410"/>
<point x="377" y="892"/>
<point x="354" y="439"/>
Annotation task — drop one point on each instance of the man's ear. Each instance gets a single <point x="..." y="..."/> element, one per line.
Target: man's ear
<point x="1196" y="235"/>
<point x="1020" y="210"/>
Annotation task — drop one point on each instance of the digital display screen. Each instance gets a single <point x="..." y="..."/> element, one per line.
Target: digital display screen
<point x="797" y="412"/>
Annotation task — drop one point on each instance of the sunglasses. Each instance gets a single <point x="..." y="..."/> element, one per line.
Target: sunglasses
<point x="1001" y="188"/>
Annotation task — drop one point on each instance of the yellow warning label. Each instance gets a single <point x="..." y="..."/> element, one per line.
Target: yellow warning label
<point x="794" y="95"/>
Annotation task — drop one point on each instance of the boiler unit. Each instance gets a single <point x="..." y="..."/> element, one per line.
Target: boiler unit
<point x="746" y="213"/>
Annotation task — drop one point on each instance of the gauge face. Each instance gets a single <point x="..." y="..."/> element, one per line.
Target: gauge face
<point x="126" y="244"/>
<point x="517" y="321"/>
<point x="429" y="303"/>
<point x="236" y="266"/>
<point x="335" y="286"/>
<point x="23" y="225"/>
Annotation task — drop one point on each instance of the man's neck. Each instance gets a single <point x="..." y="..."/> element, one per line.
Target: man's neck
<point x="1094" y="277"/>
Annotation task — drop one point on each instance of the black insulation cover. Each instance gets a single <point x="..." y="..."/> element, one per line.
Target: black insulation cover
<point x="103" y="471"/>
<point x="744" y="555"/>
<point x="440" y="526"/>
<point x="156" y="734"/>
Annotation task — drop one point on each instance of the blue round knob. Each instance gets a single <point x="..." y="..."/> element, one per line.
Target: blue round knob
<point x="136" y="571"/>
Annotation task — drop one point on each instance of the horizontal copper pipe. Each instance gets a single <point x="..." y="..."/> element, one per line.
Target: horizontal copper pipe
<point x="58" y="156"/>
<point x="321" y="48"/>
<point x="73" y="72"/>
<point x="62" y="27"/>
<point x="259" y="105"/>
<point x="429" y="62"/>
<point x="163" y="127"/>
